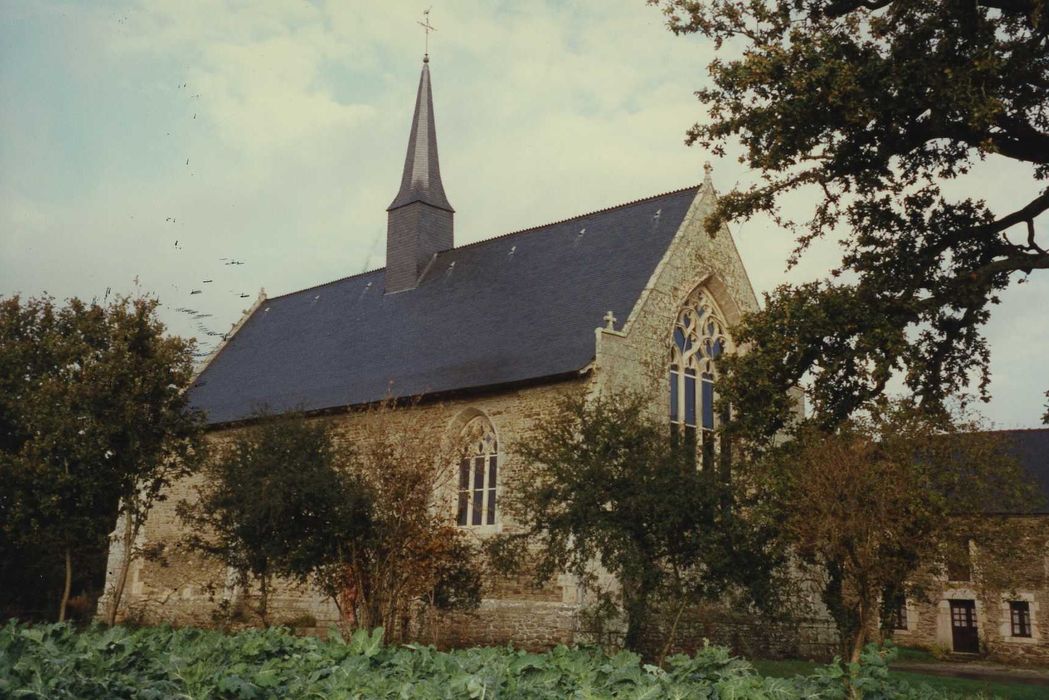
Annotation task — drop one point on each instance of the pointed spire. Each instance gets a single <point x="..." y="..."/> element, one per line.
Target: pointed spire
<point x="420" y="221"/>
<point x="421" y="181"/>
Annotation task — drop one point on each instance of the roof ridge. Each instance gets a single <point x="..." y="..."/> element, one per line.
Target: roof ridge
<point x="327" y="284"/>
<point x="501" y="236"/>
<point x="577" y="216"/>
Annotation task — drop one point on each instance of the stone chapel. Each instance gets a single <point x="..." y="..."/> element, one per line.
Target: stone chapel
<point x="490" y="334"/>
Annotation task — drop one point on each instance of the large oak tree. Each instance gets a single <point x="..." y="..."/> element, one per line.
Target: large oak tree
<point x="875" y="106"/>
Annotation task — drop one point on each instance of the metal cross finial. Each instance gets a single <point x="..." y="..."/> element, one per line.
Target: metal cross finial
<point x="610" y="321"/>
<point x="425" y="24"/>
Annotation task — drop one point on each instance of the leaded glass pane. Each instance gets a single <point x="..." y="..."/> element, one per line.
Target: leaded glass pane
<point x="690" y="398"/>
<point x="464" y="501"/>
<point x="674" y="378"/>
<point x="708" y="401"/>
<point x="464" y="474"/>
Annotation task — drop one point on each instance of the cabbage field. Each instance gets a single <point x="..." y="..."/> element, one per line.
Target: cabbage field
<point x="58" y="661"/>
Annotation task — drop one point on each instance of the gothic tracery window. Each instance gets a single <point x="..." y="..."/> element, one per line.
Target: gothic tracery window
<point x="699" y="339"/>
<point x="478" y="474"/>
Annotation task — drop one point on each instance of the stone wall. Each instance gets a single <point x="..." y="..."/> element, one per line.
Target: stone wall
<point x="746" y="634"/>
<point x="929" y="618"/>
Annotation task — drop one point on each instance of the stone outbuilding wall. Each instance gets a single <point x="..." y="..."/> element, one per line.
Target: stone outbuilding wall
<point x="930" y="624"/>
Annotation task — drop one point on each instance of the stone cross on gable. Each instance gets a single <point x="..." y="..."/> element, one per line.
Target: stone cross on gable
<point x="610" y="321"/>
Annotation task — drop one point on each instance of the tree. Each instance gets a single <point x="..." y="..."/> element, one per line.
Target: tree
<point x="602" y="483"/>
<point x="415" y="558"/>
<point x="274" y="503"/>
<point x="364" y="522"/>
<point x="93" y="425"/>
<point x="874" y="106"/>
<point x="875" y="509"/>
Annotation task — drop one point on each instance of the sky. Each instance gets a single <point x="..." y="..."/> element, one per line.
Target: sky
<point x="145" y="147"/>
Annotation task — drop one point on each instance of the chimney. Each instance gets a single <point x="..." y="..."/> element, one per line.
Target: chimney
<point x="419" y="221"/>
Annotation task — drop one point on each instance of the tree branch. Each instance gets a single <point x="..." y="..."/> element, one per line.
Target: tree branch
<point x="1024" y="262"/>
<point x="1027" y="214"/>
<point x="839" y="8"/>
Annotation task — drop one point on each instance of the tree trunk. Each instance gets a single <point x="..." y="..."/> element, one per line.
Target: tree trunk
<point x="125" y="566"/>
<point x="67" y="588"/>
<point x="636" y="603"/>
<point x="856" y="644"/>
<point x="865" y="620"/>
<point x="858" y="641"/>
<point x="264" y="594"/>
<point x="672" y="634"/>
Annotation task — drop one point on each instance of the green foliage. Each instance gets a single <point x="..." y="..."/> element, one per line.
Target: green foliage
<point x="273" y="503"/>
<point x="603" y="483"/>
<point x="57" y="662"/>
<point x="873" y="107"/>
<point x="93" y="421"/>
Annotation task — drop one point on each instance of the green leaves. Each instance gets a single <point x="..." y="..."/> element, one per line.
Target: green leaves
<point x="93" y="421"/>
<point x="275" y="504"/>
<point x="603" y="482"/>
<point x="872" y="110"/>
<point x="57" y="662"/>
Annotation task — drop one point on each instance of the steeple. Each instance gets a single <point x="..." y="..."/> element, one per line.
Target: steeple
<point x="419" y="220"/>
<point x="421" y="181"/>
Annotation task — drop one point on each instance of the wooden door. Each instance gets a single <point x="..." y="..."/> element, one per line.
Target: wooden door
<point x="964" y="632"/>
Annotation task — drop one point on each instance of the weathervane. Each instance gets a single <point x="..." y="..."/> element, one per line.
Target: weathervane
<point x="425" y="24"/>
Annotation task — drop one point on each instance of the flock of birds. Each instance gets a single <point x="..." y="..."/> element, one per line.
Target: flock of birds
<point x="208" y="338"/>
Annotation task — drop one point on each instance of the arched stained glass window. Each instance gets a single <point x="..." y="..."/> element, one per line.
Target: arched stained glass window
<point x="478" y="474"/>
<point x="699" y="339"/>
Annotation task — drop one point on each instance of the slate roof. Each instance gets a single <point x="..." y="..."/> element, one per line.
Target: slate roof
<point x="518" y="307"/>
<point x="1031" y="450"/>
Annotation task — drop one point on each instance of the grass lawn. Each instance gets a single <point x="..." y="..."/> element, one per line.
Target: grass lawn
<point x="1008" y="691"/>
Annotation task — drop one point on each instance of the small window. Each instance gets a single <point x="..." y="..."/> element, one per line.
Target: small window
<point x="1020" y="613"/>
<point x="900" y="621"/>
<point x="478" y="475"/>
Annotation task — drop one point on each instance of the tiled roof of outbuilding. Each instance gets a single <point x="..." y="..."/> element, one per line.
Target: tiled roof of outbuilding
<point x="518" y="307"/>
<point x="1031" y="450"/>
